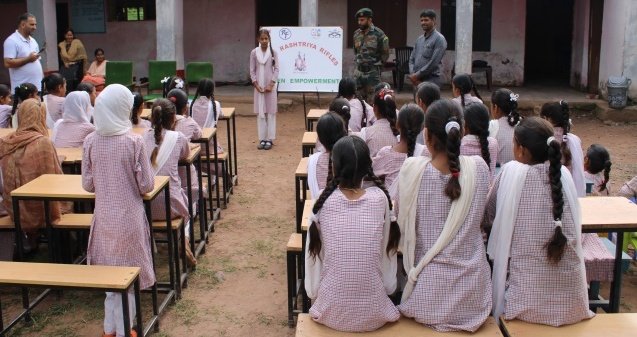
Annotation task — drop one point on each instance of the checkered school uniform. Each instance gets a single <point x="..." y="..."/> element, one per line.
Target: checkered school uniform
<point x="538" y="291"/>
<point x="470" y="146"/>
<point x="178" y="198"/>
<point x="143" y="124"/>
<point x="117" y="169"/>
<point x="356" y="114"/>
<point x="598" y="181"/>
<point x="388" y="162"/>
<point x="453" y="291"/>
<point x="322" y="166"/>
<point x="191" y="130"/>
<point x="378" y="136"/>
<point x="72" y="134"/>
<point x="505" y="141"/>
<point x="351" y="294"/>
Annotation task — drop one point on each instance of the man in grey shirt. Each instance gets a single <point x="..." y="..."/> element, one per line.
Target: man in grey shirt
<point x="425" y="61"/>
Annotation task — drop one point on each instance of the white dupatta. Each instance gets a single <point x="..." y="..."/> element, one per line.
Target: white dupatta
<point x="312" y="181"/>
<point x="262" y="59"/>
<point x="113" y="110"/>
<point x="211" y="121"/>
<point x="393" y="188"/>
<point x="494" y="127"/>
<point x="409" y="185"/>
<point x="577" y="163"/>
<point x="165" y="149"/>
<point x="513" y="177"/>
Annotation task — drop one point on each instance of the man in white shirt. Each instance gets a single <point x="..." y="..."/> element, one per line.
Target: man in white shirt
<point x="22" y="54"/>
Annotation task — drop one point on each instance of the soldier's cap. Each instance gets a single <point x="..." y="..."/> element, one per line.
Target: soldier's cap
<point x="364" y="12"/>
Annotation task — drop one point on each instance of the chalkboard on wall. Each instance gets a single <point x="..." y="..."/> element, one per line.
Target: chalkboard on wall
<point x="87" y="16"/>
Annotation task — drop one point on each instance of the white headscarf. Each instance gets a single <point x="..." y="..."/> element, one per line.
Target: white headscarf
<point x="113" y="110"/>
<point x="75" y="110"/>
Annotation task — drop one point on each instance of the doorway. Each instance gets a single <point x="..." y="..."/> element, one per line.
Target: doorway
<point x="549" y="36"/>
<point x="594" y="44"/>
<point x="277" y="13"/>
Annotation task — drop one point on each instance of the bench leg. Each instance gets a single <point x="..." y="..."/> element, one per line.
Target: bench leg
<point x="138" y="309"/>
<point x="126" y="313"/>
<point x="291" y="264"/>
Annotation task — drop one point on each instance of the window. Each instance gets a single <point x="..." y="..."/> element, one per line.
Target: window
<point x="389" y="15"/>
<point x="131" y="10"/>
<point x="481" y="24"/>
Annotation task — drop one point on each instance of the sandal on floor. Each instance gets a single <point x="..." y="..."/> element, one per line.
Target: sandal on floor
<point x="268" y="144"/>
<point x="261" y="145"/>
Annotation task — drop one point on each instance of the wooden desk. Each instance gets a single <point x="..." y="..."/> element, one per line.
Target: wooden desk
<point x="307" y="211"/>
<point x="607" y="325"/>
<point x="300" y="192"/>
<point x="610" y="214"/>
<point x="145" y="114"/>
<point x="66" y="187"/>
<point x="405" y="327"/>
<point x="228" y="116"/>
<point x="313" y="116"/>
<point x="308" y="143"/>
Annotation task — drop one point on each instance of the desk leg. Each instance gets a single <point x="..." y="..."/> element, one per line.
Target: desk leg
<point x="20" y="255"/>
<point x="305" y="113"/>
<point x="152" y="254"/>
<point x="169" y="233"/>
<point x="234" y="146"/>
<point x="203" y="218"/>
<point x="299" y="205"/>
<point x="210" y="206"/>
<point x="126" y="313"/>
<point x="616" y="285"/>
<point x="53" y="253"/>
<point x="191" y="211"/>
<point x="214" y="162"/>
<point x="138" y="308"/>
<point x="229" y="140"/>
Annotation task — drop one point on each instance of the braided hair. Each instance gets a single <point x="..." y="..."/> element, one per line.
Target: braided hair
<point x="352" y="164"/>
<point x="504" y="99"/>
<point x="330" y="128"/>
<point x="267" y="32"/>
<point x="465" y="84"/>
<point x="428" y="92"/>
<point x="533" y="133"/>
<point x="347" y="90"/>
<point x="341" y="107"/>
<point x="179" y="98"/>
<point x="598" y="161"/>
<point x="476" y="117"/>
<point x="206" y="88"/>
<point x="386" y="105"/>
<point x="23" y="92"/>
<point x="559" y="115"/>
<point x="162" y="117"/>
<point x="138" y="102"/>
<point x="410" y="121"/>
<point x="438" y="117"/>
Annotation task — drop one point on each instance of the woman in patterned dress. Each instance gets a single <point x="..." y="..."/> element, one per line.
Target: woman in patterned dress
<point x="75" y="125"/>
<point x="350" y="258"/>
<point x="116" y="168"/>
<point x="383" y="132"/>
<point x="535" y="242"/>
<point x="441" y="205"/>
<point x="504" y="108"/>
<point x="476" y="140"/>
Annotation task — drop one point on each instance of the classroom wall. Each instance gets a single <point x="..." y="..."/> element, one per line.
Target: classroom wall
<point x="630" y="50"/>
<point x="579" y="59"/>
<point x="8" y="25"/>
<point x="613" y="39"/>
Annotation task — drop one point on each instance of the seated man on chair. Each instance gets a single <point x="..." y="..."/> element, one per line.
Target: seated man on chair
<point x="426" y="59"/>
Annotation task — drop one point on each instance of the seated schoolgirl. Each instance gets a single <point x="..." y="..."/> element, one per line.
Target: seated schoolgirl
<point x="75" y="124"/>
<point x="535" y="242"/>
<point x="205" y="110"/>
<point x="597" y="169"/>
<point x="476" y="140"/>
<point x="23" y="92"/>
<point x="115" y="166"/>
<point x="350" y="257"/>
<point x="389" y="159"/>
<point x="428" y="92"/>
<point x="362" y="114"/>
<point x="55" y="86"/>
<point x="5" y="106"/>
<point x="166" y="148"/>
<point x="572" y="155"/>
<point x="383" y="132"/>
<point x="92" y="93"/>
<point x="138" y="108"/>
<point x="330" y="128"/>
<point x="441" y="205"/>
<point x="461" y="87"/>
<point x="504" y="109"/>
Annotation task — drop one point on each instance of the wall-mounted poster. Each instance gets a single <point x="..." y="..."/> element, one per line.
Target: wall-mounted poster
<point x="311" y="58"/>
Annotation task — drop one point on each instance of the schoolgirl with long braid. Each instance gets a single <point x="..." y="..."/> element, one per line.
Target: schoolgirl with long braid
<point x="535" y="241"/>
<point x="476" y="140"/>
<point x="362" y="114"/>
<point x="558" y="113"/>
<point x="383" y="132"/>
<point x="264" y="74"/>
<point x="504" y="110"/>
<point x="440" y="207"/>
<point x="351" y="244"/>
<point x="167" y="147"/>
<point x="205" y="110"/>
<point x="461" y="87"/>
<point x="330" y="128"/>
<point x="389" y="159"/>
<point x="597" y="166"/>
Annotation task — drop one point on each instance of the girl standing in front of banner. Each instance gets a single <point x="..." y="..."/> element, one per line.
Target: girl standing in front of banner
<point x="264" y="73"/>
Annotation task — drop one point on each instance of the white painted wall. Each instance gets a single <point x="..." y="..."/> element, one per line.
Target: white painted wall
<point x="630" y="49"/>
<point x="614" y="34"/>
<point x="579" y="59"/>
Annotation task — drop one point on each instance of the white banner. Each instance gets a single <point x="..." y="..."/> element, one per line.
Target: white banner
<point x="310" y="58"/>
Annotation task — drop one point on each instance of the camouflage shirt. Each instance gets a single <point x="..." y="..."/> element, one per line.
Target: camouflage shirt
<point x="371" y="48"/>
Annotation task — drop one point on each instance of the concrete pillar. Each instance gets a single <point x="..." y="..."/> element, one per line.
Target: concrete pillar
<point x="46" y="32"/>
<point x="170" y="31"/>
<point x="309" y="13"/>
<point x="464" y="35"/>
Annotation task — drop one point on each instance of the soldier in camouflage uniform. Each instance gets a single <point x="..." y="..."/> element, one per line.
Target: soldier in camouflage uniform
<point x="371" y="50"/>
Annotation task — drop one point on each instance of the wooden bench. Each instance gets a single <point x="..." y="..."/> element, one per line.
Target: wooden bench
<point x="6" y="224"/>
<point x="404" y="327"/>
<point x="606" y="325"/>
<point x="308" y="143"/>
<point x="223" y="159"/>
<point x="300" y="190"/>
<point x="230" y="116"/>
<point x="313" y="116"/>
<point x="295" y="272"/>
<point x="65" y="276"/>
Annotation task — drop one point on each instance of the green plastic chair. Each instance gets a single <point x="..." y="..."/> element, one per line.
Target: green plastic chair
<point x="195" y="71"/>
<point x="157" y="70"/>
<point x="120" y="72"/>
